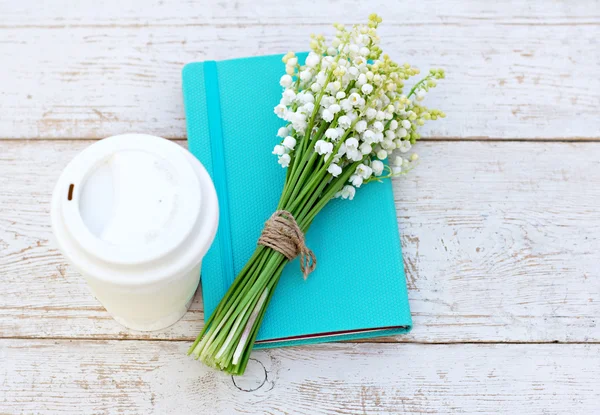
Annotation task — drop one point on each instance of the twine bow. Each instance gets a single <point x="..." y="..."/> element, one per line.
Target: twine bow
<point x="282" y="233"/>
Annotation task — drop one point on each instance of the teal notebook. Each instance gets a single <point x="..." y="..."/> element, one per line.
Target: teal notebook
<point x="358" y="289"/>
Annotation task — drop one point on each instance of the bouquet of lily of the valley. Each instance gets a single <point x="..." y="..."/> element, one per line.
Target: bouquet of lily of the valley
<point x="346" y="116"/>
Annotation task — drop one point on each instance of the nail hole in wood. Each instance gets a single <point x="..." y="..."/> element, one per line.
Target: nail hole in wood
<point x="70" y="196"/>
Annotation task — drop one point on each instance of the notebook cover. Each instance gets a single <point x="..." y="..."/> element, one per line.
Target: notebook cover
<point x="358" y="289"/>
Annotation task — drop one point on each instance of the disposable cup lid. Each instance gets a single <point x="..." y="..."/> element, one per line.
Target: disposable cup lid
<point x="132" y="200"/>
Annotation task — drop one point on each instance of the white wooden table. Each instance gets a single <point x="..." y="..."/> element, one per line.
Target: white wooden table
<point x="500" y="222"/>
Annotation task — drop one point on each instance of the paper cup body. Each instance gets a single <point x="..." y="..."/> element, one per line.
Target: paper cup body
<point x="135" y="214"/>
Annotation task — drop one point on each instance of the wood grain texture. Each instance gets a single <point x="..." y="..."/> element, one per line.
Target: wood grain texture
<point x="501" y="244"/>
<point x="515" y="69"/>
<point x="123" y="377"/>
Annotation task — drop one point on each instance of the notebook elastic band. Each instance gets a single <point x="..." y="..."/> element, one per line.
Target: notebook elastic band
<point x="215" y="128"/>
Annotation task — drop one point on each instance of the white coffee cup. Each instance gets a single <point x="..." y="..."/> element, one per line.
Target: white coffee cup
<point x="135" y="215"/>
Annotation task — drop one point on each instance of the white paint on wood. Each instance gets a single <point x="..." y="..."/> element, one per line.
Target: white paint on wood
<point x="500" y="239"/>
<point x="515" y="69"/>
<point x="133" y="377"/>
<point x="501" y="243"/>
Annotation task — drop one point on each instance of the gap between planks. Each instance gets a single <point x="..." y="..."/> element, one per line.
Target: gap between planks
<point x="382" y="340"/>
<point x="483" y="139"/>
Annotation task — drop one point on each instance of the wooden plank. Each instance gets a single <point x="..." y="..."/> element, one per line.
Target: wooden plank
<point x="515" y="69"/>
<point x="501" y="243"/>
<point x="124" y="377"/>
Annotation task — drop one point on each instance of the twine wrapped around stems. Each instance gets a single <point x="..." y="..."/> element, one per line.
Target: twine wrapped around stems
<point x="282" y="233"/>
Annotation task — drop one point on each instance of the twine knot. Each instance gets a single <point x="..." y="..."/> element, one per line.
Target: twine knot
<point x="282" y="233"/>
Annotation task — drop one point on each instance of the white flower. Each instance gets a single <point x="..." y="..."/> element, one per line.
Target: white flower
<point x="316" y="87"/>
<point x="362" y="79"/>
<point x="351" y="143"/>
<point x="280" y="110"/>
<point x="332" y="133"/>
<point x="360" y="61"/>
<point x="369" y="136"/>
<point x="388" y="145"/>
<point x="298" y="116"/>
<point x="360" y="126"/>
<point x="382" y="154"/>
<point x="333" y="87"/>
<point x="321" y="78"/>
<point x="305" y="75"/>
<point x="340" y="95"/>
<point x="390" y="135"/>
<point x="378" y="137"/>
<point x="396" y="170"/>
<point x="284" y="160"/>
<point x="366" y="89"/>
<point x="348" y="192"/>
<point x="334" y="170"/>
<point x="288" y="115"/>
<point x="288" y="97"/>
<point x="405" y="146"/>
<point x="352" y="151"/>
<point x="335" y="108"/>
<point x="402" y="133"/>
<point x="371" y="113"/>
<point x="398" y="161"/>
<point x="279" y="150"/>
<point x="380" y="116"/>
<point x="344" y="121"/>
<point x="298" y="120"/>
<point x="365" y="148"/>
<point x="292" y="62"/>
<point x="286" y="81"/>
<point x="378" y="126"/>
<point x="377" y="167"/>
<point x="312" y="60"/>
<point x="393" y="125"/>
<point x="323" y="147"/>
<point x="354" y="99"/>
<point x="289" y="142"/>
<point x="327" y="100"/>
<point x="405" y="124"/>
<point x="356" y="180"/>
<point x="327" y="115"/>
<point x="364" y="171"/>
<point x="283" y="132"/>
<point x="305" y="97"/>
<point x="364" y="51"/>
<point x="326" y="62"/>
<point x="346" y="105"/>
<point x="414" y="157"/>
<point x="308" y="108"/>
<point x="354" y="154"/>
<point x="420" y="94"/>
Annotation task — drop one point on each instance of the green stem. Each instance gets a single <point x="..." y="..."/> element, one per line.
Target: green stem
<point x="414" y="88"/>
<point x="334" y="187"/>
